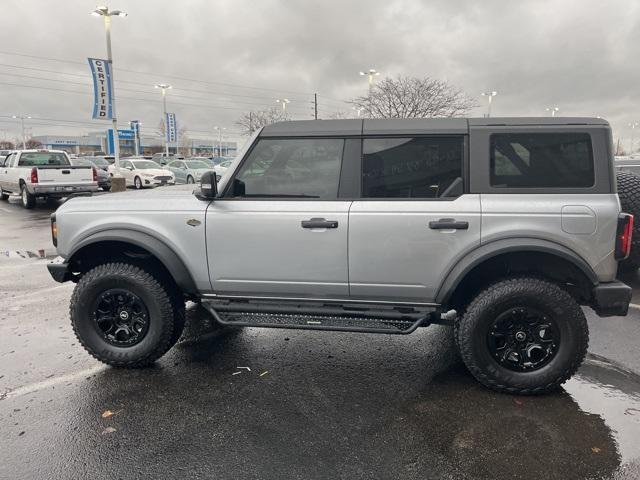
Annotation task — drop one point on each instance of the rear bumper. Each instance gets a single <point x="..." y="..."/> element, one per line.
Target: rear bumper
<point x="611" y="298"/>
<point x="60" y="190"/>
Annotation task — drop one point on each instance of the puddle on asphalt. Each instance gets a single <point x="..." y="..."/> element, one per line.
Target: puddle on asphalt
<point x="613" y="393"/>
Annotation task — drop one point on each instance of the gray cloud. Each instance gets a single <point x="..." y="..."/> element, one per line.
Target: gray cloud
<point x="578" y="55"/>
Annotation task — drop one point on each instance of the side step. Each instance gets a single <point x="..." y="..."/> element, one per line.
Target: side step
<point x="317" y="317"/>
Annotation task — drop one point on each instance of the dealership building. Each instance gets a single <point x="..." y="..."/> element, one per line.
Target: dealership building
<point x="102" y="141"/>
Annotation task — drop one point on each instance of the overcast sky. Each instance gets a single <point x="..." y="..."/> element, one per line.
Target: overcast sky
<point x="579" y="55"/>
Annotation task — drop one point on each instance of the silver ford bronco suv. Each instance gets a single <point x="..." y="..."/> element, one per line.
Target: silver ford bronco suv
<point x="501" y="227"/>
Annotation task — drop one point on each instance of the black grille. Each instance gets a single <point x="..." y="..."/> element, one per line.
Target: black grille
<point x="163" y="178"/>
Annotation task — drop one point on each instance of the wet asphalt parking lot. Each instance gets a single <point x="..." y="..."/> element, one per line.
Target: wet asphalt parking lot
<point x="313" y="405"/>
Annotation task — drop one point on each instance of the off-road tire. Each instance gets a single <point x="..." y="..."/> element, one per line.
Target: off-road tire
<point x="535" y="293"/>
<point x="629" y="193"/>
<point x="166" y="319"/>
<point x="28" y="200"/>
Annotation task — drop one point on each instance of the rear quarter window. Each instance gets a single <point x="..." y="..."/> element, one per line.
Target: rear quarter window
<point x="541" y="160"/>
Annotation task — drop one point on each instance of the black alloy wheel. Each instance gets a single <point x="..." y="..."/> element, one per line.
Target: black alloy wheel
<point x="523" y="339"/>
<point x="121" y="317"/>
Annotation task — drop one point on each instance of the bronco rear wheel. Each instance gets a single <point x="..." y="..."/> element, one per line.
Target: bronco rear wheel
<point x="523" y="335"/>
<point x="124" y="316"/>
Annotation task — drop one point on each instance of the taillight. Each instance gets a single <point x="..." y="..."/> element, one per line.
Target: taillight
<point x="34" y="175"/>
<point x="54" y="230"/>
<point x="95" y="174"/>
<point x="623" y="236"/>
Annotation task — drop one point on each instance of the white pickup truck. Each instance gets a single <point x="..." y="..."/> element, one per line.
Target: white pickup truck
<point x="43" y="173"/>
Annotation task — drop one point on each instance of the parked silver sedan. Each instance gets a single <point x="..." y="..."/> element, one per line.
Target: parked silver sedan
<point x="188" y="171"/>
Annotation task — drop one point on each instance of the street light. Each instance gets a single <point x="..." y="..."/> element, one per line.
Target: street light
<point x="553" y="110"/>
<point x="358" y="110"/>
<point x="164" y="87"/>
<point x="106" y="14"/>
<point x="24" y="137"/>
<point x="371" y="73"/>
<point x="490" y="96"/>
<point x="633" y="126"/>
<point x="284" y="102"/>
<point x="220" y="129"/>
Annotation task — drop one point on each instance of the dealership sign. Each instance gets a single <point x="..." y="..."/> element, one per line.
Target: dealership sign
<point x="102" y="89"/>
<point x="171" y="128"/>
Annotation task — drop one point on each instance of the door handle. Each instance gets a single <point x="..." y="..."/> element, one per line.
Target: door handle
<point x="448" y="224"/>
<point x="319" y="223"/>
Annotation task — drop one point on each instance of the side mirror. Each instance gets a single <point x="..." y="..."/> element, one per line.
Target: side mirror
<point x="208" y="185"/>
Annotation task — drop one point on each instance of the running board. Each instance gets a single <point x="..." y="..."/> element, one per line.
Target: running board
<point x="318" y="317"/>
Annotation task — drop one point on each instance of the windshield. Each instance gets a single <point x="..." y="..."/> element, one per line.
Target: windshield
<point x="36" y="159"/>
<point x="196" y="164"/>
<point x="145" y="164"/>
<point x="100" y="162"/>
<point x="82" y="162"/>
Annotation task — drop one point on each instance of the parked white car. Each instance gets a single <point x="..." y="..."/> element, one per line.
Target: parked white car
<point x="44" y="173"/>
<point x="141" y="173"/>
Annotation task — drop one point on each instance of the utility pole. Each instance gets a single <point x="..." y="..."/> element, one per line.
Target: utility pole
<point x="219" y="139"/>
<point x="633" y="126"/>
<point x="106" y="14"/>
<point x="164" y="87"/>
<point x="315" y="106"/>
<point x="24" y="135"/>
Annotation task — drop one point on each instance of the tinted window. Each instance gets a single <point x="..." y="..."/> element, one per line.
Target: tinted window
<point x="42" y="158"/>
<point x="291" y="167"/>
<point x="539" y="160"/>
<point x="423" y="167"/>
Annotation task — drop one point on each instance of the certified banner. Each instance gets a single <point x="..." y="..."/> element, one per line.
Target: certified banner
<point x="102" y="89"/>
<point x="171" y="127"/>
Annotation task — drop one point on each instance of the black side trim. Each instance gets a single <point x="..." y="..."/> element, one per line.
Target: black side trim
<point x="162" y="252"/>
<point x="59" y="272"/>
<point x="490" y="250"/>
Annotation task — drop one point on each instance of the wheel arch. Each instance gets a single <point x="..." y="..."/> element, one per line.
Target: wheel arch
<point x="99" y="244"/>
<point x="518" y="256"/>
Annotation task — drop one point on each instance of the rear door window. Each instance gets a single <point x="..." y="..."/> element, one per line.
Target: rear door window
<point x="541" y="160"/>
<point x="41" y="159"/>
<point x="412" y="167"/>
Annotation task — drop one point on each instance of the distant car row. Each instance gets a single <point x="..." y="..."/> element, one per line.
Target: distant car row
<point x="55" y="174"/>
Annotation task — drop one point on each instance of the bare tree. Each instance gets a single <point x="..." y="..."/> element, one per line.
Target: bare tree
<point x="249" y="122"/>
<point x="6" y="145"/>
<point x="411" y="97"/>
<point x="31" y="143"/>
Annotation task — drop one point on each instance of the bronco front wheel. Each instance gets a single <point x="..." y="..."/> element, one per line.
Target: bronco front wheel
<point x="123" y="315"/>
<point x="523" y="335"/>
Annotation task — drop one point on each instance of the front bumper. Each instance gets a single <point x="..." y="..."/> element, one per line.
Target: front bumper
<point x="60" y="272"/>
<point x="611" y="299"/>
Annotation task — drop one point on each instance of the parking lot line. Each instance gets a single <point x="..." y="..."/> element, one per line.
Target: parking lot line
<point x="52" y="382"/>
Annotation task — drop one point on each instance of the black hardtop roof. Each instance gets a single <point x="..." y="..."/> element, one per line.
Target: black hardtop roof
<point x="411" y="126"/>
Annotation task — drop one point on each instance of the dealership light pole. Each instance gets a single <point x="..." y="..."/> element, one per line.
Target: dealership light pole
<point x="371" y="73"/>
<point x="106" y="14"/>
<point x="633" y="126"/>
<point x="284" y="102"/>
<point x="24" y="136"/>
<point x="553" y="110"/>
<point x="490" y="96"/>
<point x="164" y="87"/>
<point x="219" y="129"/>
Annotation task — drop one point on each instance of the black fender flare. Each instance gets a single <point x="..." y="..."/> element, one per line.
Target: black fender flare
<point x="498" y="247"/>
<point x="174" y="265"/>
